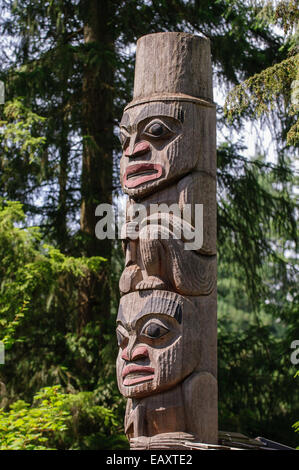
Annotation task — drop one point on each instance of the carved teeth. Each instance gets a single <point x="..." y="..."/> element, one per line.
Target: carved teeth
<point x="135" y="375"/>
<point x="141" y="173"/>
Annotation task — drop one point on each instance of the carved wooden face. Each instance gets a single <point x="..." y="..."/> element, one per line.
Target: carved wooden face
<point x="158" y="338"/>
<point x="158" y="145"/>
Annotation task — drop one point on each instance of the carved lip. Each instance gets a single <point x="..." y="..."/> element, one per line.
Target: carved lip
<point x="141" y="373"/>
<point x="141" y="173"/>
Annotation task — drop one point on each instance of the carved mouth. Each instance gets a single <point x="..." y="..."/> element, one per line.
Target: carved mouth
<point x="141" y="173"/>
<point x="134" y="374"/>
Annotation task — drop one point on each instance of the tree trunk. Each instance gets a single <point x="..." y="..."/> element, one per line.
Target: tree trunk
<point x="97" y="114"/>
<point x="62" y="209"/>
<point x="97" y="127"/>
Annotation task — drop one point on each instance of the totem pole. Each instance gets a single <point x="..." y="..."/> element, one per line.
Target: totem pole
<point x="167" y="319"/>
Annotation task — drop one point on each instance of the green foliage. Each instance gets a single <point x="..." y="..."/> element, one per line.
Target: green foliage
<point x="18" y="130"/>
<point x="256" y="218"/>
<point x="28" y="268"/>
<point x="275" y="87"/>
<point x="59" y="421"/>
<point x="260" y="92"/>
<point x="38" y="286"/>
<point x="22" y="146"/>
<point x="257" y="296"/>
<point x="36" y="428"/>
<point x="256" y="356"/>
<point x="56" y="328"/>
<point x="39" y="303"/>
<point x="284" y="13"/>
<point x="256" y="390"/>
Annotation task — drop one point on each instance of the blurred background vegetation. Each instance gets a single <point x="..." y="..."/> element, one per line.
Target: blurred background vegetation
<point x="68" y="72"/>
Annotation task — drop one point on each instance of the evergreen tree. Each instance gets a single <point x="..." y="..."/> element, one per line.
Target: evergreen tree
<point x="68" y="70"/>
<point x="259" y="359"/>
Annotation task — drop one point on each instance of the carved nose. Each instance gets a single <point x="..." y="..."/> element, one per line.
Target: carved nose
<point x="139" y="149"/>
<point x="140" y="352"/>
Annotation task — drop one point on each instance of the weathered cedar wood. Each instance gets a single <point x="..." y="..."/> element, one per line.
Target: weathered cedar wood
<point x="166" y="325"/>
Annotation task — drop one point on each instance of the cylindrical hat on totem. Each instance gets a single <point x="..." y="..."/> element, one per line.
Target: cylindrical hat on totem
<point x="173" y="67"/>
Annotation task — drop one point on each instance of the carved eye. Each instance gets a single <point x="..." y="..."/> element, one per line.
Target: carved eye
<point x="154" y="330"/>
<point x="124" y="138"/>
<point x="121" y="339"/>
<point x="157" y="129"/>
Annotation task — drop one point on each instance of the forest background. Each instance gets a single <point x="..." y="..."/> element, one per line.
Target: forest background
<point x="68" y="72"/>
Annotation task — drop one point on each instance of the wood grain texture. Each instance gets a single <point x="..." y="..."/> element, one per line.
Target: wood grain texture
<point x="167" y="319"/>
<point x="160" y="260"/>
<point x="173" y="63"/>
